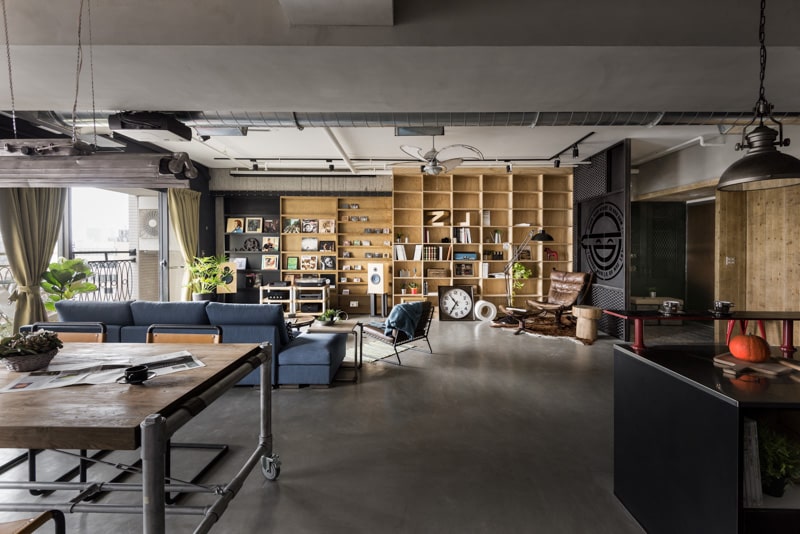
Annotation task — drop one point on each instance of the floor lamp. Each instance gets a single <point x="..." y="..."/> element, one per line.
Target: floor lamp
<point x="509" y="268"/>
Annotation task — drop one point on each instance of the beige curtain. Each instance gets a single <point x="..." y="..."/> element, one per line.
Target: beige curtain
<point x="184" y="213"/>
<point x="30" y="222"/>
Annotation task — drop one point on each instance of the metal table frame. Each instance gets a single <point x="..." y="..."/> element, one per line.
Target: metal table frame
<point x="155" y="433"/>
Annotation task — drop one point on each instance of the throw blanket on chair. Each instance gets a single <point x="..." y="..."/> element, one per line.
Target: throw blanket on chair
<point x="404" y="317"/>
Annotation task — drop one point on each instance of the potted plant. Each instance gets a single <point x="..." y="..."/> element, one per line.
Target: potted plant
<point x="652" y="291"/>
<point x="414" y="287"/>
<point x="330" y="316"/>
<point x="29" y="351"/>
<point x="779" y="457"/>
<point x="403" y="289"/>
<point x="519" y="273"/>
<point x="205" y="275"/>
<point x="64" y="279"/>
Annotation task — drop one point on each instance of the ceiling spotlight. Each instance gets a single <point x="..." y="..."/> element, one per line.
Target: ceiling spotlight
<point x="575" y="153"/>
<point x="557" y="163"/>
<point x="763" y="167"/>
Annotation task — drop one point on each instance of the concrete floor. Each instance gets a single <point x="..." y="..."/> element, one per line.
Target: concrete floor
<point x="492" y="433"/>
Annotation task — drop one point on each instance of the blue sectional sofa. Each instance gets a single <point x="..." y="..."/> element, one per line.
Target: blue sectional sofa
<point x="305" y="359"/>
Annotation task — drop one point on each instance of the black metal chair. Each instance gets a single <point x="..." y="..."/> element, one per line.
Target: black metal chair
<point x="397" y="338"/>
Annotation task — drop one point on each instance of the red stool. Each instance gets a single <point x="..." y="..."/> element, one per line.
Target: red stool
<point x="743" y="328"/>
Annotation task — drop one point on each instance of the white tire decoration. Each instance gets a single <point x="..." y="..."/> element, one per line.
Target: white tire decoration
<point x="485" y="310"/>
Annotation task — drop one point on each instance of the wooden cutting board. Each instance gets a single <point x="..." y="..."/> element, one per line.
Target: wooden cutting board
<point x="735" y="366"/>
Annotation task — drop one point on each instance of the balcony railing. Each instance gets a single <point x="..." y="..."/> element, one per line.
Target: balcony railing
<point x="113" y="277"/>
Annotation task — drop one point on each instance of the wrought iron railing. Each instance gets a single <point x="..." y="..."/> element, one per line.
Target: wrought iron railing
<point x="113" y="277"/>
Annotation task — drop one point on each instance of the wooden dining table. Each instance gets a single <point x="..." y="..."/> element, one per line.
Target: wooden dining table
<point x="120" y="416"/>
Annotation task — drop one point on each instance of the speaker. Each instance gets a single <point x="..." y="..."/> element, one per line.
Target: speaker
<point x="377" y="278"/>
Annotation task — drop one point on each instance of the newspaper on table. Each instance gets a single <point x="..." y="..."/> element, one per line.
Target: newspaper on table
<point x="100" y="370"/>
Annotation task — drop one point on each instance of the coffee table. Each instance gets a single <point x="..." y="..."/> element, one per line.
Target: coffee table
<point x="349" y="326"/>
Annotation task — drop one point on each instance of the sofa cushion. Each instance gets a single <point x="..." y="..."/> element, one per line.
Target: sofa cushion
<point x="248" y="314"/>
<point x="86" y="311"/>
<point x="149" y="312"/>
<point x="314" y="349"/>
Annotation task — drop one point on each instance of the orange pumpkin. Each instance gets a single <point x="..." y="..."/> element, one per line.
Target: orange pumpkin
<point x="750" y="348"/>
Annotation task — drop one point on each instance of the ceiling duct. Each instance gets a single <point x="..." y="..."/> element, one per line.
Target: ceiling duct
<point x="149" y="127"/>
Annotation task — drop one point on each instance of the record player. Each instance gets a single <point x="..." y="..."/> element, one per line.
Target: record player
<point x="310" y="282"/>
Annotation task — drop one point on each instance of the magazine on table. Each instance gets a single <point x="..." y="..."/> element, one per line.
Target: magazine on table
<point x="99" y="370"/>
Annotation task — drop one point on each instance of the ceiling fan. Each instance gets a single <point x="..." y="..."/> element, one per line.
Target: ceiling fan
<point x="433" y="165"/>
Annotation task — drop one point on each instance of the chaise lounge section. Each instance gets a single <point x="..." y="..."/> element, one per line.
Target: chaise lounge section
<point x="311" y="359"/>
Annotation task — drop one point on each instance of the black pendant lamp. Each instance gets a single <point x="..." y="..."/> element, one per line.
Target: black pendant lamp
<point x="763" y="167"/>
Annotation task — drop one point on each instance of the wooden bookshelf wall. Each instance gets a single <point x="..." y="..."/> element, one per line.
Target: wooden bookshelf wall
<point x="487" y="214"/>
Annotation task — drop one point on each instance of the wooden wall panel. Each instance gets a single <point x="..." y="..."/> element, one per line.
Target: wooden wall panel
<point x="760" y="231"/>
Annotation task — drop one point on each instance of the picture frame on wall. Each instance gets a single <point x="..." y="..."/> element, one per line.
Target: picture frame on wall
<point x="292" y="263"/>
<point x="234" y="225"/>
<point x="310" y="226"/>
<point x="253" y="225"/>
<point x="309" y="243"/>
<point x="327" y="263"/>
<point x="270" y="243"/>
<point x="271" y="226"/>
<point x="327" y="246"/>
<point x="308" y="262"/>
<point x="327" y="226"/>
<point x="291" y="226"/>
<point x="269" y="262"/>
<point x="228" y="275"/>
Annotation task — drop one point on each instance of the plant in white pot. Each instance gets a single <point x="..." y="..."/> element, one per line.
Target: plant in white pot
<point x="29" y="351"/>
<point x="205" y="274"/>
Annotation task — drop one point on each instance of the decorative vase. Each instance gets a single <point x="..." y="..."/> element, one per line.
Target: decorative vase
<point x="414" y="290"/>
<point x="29" y="362"/>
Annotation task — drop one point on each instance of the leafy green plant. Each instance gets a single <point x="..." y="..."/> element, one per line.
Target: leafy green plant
<point x="205" y="274"/>
<point x="329" y="315"/>
<point x="779" y="457"/>
<point x="519" y="273"/>
<point x="64" y="279"/>
<point x="413" y="285"/>
<point x="28" y="343"/>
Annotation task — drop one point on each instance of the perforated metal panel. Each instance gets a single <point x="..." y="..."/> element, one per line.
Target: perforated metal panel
<point x="610" y="298"/>
<point x="591" y="181"/>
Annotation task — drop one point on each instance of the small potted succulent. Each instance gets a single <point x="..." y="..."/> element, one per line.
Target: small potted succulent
<point x="414" y="287"/>
<point x="29" y="351"/>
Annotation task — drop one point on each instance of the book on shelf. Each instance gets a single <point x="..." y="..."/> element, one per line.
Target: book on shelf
<point x="417" y="252"/>
<point x="484" y="269"/>
<point x="400" y="252"/>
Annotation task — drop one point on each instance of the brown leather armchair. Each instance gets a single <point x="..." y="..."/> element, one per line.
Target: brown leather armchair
<point x="566" y="289"/>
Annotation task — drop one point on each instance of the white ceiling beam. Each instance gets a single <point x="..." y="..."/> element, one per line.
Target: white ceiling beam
<point x="339" y="12"/>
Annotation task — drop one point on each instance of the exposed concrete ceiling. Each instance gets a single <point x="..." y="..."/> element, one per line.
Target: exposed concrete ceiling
<point x="299" y="56"/>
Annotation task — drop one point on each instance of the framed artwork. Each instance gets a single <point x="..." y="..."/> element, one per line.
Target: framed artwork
<point x="269" y="262"/>
<point x="252" y="280"/>
<point x="308" y="263"/>
<point x="327" y="246"/>
<point x="234" y="225"/>
<point x="345" y="243"/>
<point x="241" y="263"/>
<point x="251" y="244"/>
<point x="524" y="253"/>
<point x="271" y="226"/>
<point x="289" y="278"/>
<point x="309" y="243"/>
<point x="291" y="226"/>
<point x="228" y="271"/>
<point x="327" y="263"/>
<point x="310" y="226"/>
<point x="292" y="263"/>
<point x="327" y="226"/>
<point x="253" y="225"/>
<point x="464" y="269"/>
<point x="270" y="243"/>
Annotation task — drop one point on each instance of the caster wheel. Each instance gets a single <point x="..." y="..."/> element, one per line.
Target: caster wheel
<point x="271" y="467"/>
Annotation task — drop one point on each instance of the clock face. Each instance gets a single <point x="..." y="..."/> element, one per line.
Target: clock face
<point x="455" y="303"/>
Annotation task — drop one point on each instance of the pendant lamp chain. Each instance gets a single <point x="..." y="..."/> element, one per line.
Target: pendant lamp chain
<point x="10" y="80"/>
<point x="762" y="106"/>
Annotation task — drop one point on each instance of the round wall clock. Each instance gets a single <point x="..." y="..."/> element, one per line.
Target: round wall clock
<point x="456" y="303"/>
